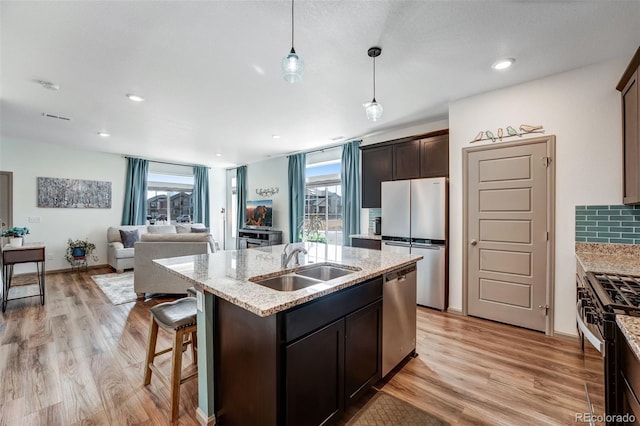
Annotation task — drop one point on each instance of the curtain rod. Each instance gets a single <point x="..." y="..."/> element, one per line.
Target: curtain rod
<point x="323" y="148"/>
<point x="166" y="162"/>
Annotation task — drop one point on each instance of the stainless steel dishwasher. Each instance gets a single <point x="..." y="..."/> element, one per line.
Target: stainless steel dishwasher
<point x="398" y="317"/>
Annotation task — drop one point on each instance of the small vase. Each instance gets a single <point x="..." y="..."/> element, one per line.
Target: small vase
<point x="15" y="241"/>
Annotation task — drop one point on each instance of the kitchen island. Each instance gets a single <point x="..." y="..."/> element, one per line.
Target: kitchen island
<point x="272" y="357"/>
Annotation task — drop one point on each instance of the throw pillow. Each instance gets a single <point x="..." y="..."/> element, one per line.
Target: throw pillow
<point x="200" y="230"/>
<point x="129" y="238"/>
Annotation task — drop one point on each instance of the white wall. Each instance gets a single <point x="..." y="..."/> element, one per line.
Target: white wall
<point x="401" y="132"/>
<point x="218" y="194"/>
<point x="28" y="161"/>
<point x="267" y="174"/>
<point x="580" y="107"/>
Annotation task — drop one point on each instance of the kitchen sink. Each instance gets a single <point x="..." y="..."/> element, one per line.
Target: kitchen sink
<point x="288" y="282"/>
<point x="324" y="271"/>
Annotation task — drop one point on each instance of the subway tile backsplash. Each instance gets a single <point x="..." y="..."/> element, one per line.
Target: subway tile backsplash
<point x="608" y="224"/>
<point x="373" y="213"/>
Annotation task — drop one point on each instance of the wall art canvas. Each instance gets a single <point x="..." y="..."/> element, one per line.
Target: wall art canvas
<point x="74" y="193"/>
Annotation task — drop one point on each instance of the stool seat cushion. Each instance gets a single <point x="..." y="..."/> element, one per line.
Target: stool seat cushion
<point x="174" y="315"/>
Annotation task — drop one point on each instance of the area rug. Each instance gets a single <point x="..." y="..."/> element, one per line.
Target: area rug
<point x="384" y="409"/>
<point x="117" y="287"/>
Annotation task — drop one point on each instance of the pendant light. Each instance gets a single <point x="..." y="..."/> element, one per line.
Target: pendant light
<point x="373" y="108"/>
<point x="292" y="64"/>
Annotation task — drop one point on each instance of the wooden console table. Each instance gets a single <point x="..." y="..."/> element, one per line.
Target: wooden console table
<point x="29" y="252"/>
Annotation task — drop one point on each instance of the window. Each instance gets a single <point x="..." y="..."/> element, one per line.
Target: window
<point x="323" y="200"/>
<point x="169" y="198"/>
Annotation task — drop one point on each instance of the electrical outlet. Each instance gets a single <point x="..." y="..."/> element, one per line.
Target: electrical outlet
<point x="34" y="219"/>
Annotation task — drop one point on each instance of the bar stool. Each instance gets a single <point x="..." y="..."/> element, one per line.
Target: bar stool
<point x="179" y="319"/>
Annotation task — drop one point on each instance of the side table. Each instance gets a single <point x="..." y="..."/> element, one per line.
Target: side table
<point x="29" y="252"/>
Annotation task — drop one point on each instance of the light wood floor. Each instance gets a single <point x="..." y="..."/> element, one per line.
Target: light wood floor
<point x="78" y="360"/>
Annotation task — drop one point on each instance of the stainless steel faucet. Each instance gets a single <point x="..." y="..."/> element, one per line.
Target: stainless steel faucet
<point x="285" y="257"/>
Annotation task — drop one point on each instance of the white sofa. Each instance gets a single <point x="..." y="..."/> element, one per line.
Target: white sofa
<point x="121" y="258"/>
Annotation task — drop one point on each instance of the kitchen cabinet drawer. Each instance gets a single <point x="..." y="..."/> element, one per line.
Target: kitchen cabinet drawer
<point x="628" y="86"/>
<point x="366" y="243"/>
<point x="315" y="314"/>
<point x="628" y="377"/>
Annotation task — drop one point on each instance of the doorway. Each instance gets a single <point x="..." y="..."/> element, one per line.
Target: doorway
<point x="6" y="199"/>
<point x="508" y="232"/>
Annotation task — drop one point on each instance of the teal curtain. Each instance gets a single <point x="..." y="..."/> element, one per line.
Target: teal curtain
<point x="135" y="196"/>
<point x="350" y="177"/>
<point x="201" y="195"/>
<point x="241" y="190"/>
<point x="297" y="188"/>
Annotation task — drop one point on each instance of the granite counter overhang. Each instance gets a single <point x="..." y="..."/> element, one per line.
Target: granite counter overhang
<point x="226" y="274"/>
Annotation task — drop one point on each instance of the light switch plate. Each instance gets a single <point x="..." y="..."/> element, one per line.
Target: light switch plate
<point x="34" y="219"/>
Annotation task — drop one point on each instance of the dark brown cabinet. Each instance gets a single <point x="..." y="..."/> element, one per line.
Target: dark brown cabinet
<point x="303" y="366"/>
<point x="317" y="359"/>
<point x="420" y="156"/>
<point x="628" y="378"/>
<point x="366" y="243"/>
<point x="434" y="156"/>
<point x="377" y="167"/>
<point x="406" y="160"/>
<point x="363" y="348"/>
<point x="628" y="86"/>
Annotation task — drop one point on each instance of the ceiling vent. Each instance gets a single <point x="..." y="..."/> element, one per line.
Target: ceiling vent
<point x="59" y="117"/>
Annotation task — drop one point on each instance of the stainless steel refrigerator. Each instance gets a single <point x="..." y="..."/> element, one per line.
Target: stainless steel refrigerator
<point x="414" y="220"/>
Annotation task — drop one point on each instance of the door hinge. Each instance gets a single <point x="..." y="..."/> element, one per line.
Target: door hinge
<point x="546" y="161"/>
<point x="545" y="308"/>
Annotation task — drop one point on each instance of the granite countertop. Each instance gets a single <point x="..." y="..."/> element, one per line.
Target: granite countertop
<point x="621" y="259"/>
<point x="367" y="236"/>
<point x="226" y="274"/>
<point x="630" y="327"/>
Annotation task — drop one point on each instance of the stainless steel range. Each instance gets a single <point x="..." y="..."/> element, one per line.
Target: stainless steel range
<point x="600" y="299"/>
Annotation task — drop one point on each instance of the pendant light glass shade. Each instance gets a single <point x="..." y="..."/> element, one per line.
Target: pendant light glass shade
<point x="292" y="64"/>
<point x="373" y="108"/>
<point x="292" y="67"/>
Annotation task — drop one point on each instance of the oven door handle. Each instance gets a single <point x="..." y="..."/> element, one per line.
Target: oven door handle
<point x="586" y="331"/>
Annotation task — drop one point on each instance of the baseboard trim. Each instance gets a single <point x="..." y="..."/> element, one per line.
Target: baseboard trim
<point x="454" y="311"/>
<point x="203" y="419"/>
<point x="573" y="337"/>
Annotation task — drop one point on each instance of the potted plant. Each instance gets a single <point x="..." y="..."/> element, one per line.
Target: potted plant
<point x="79" y="250"/>
<point x="15" y="235"/>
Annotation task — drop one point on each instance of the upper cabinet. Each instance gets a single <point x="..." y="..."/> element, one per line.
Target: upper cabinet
<point x="406" y="160"/>
<point x="413" y="157"/>
<point x="628" y="86"/>
<point x="434" y="156"/>
<point x="377" y="167"/>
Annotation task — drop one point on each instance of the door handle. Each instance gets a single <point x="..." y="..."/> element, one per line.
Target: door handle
<point x="473" y="242"/>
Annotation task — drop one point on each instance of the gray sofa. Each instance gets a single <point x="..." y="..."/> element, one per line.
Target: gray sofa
<point x="149" y="278"/>
<point x="121" y="258"/>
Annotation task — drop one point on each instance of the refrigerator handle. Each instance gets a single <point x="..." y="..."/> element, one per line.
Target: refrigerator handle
<point x="388" y="243"/>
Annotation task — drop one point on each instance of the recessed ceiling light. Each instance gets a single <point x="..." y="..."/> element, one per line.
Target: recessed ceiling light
<point x="275" y="136"/>
<point x="104" y="134"/>
<point x="502" y="64"/>
<point x="134" y="98"/>
<point x="218" y="155"/>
